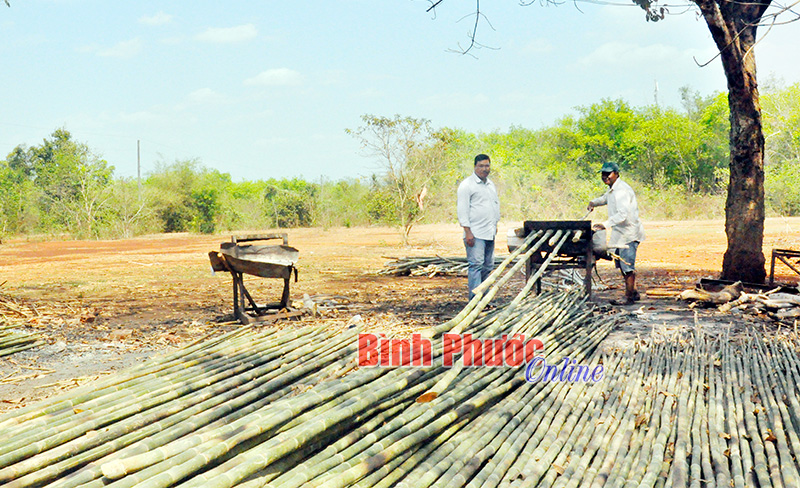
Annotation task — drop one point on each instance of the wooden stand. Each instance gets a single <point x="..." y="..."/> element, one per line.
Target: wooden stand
<point x="248" y="311"/>
<point x="263" y="261"/>
<point x="784" y="255"/>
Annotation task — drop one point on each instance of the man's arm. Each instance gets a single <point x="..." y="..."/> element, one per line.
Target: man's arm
<point x="598" y="202"/>
<point x="468" y="237"/>
<point x="462" y="206"/>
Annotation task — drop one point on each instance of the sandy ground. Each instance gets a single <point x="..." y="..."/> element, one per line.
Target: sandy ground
<point x="100" y="306"/>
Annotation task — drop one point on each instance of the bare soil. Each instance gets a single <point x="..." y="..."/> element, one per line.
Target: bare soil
<point x="101" y="306"/>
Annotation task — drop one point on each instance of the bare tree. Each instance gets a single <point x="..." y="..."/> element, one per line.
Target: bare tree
<point x="408" y="151"/>
<point x="733" y="25"/>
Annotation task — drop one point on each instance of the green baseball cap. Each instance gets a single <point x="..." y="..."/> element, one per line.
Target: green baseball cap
<point x="609" y="167"/>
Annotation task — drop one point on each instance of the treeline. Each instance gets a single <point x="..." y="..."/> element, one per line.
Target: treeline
<point x="676" y="159"/>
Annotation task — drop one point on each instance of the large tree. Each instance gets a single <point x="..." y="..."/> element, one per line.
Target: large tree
<point x="733" y="25"/>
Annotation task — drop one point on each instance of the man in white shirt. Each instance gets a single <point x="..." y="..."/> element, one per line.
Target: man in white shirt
<point x="627" y="230"/>
<point x="478" y="213"/>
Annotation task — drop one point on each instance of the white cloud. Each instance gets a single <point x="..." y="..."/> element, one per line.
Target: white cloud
<point x="142" y="116"/>
<point x="275" y="77"/>
<point x="160" y="18"/>
<point x="371" y="92"/>
<point x="456" y="100"/>
<point x="629" y="55"/>
<point x="239" y="33"/>
<point x="123" y="49"/>
<point x="205" y="95"/>
<point x="334" y="77"/>
<point x="537" y="46"/>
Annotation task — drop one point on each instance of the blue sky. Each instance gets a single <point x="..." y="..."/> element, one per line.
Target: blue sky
<point x="267" y="89"/>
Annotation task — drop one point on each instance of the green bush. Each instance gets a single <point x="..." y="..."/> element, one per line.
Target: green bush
<point x="783" y="188"/>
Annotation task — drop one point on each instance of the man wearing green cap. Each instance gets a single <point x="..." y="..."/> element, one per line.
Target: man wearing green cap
<point x="626" y="228"/>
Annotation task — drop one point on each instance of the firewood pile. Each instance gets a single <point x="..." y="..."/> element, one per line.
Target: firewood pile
<point x="428" y="266"/>
<point x="13" y="340"/>
<point x="457" y="266"/>
<point x="776" y="304"/>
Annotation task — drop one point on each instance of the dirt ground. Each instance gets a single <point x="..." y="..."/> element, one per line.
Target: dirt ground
<point x="100" y="306"/>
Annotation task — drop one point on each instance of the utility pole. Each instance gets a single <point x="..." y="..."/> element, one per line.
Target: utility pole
<point x="655" y="92"/>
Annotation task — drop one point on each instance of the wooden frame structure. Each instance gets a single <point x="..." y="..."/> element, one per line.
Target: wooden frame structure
<point x="576" y="254"/>
<point x="784" y="256"/>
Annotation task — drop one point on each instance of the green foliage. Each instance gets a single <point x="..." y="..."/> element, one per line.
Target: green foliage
<point x="669" y="149"/>
<point x="781" y="109"/>
<point x="342" y="203"/>
<point x="69" y="183"/>
<point x="677" y="160"/>
<point x="290" y="203"/>
<point x="18" y="210"/>
<point x="205" y="202"/>
<point x="131" y="210"/>
<point x="783" y="188"/>
<point x="186" y="196"/>
<point x="381" y="205"/>
<point x="600" y="133"/>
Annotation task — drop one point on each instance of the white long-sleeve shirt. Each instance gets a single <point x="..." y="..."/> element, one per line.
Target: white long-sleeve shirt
<point x="478" y="207"/>
<point x="623" y="214"/>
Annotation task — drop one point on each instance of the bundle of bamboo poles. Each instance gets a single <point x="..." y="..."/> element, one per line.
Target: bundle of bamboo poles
<point x="248" y="405"/>
<point x="290" y="408"/>
<point x="13" y="341"/>
<point x="428" y="266"/>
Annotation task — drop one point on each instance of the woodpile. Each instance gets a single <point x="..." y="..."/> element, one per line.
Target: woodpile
<point x="775" y="304"/>
<point x="730" y="292"/>
<point x="428" y="266"/>
<point x="13" y="340"/>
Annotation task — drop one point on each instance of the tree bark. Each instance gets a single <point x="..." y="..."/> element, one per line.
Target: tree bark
<point x="733" y="27"/>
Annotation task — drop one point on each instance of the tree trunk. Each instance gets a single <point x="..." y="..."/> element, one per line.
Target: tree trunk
<point x="733" y="27"/>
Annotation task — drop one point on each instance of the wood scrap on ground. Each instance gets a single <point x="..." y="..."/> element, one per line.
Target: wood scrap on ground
<point x="698" y="295"/>
<point x="775" y="304"/>
<point x="13" y="341"/>
<point x="426" y="266"/>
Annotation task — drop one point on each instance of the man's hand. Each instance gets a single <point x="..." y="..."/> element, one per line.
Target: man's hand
<point x="468" y="237"/>
<point x="590" y="207"/>
<point x="598" y="227"/>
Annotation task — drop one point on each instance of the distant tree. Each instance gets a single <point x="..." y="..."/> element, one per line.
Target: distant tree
<point x="665" y="147"/>
<point x="290" y="202"/>
<point x="186" y="195"/>
<point x="782" y="159"/>
<point x="131" y="210"/>
<point x="341" y="203"/>
<point x="782" y="125"/>
<point x="18" y="206"/>
<point x="410" y="152"/>
<point x="71" y="181"/>
<point x="600" y="130"/>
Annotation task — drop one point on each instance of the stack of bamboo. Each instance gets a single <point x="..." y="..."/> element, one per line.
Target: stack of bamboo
<point x="291" y="409"/>
<point x="12" y="340"/>
<point x="428" y="266"/>
<point x="248" y="407"/>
